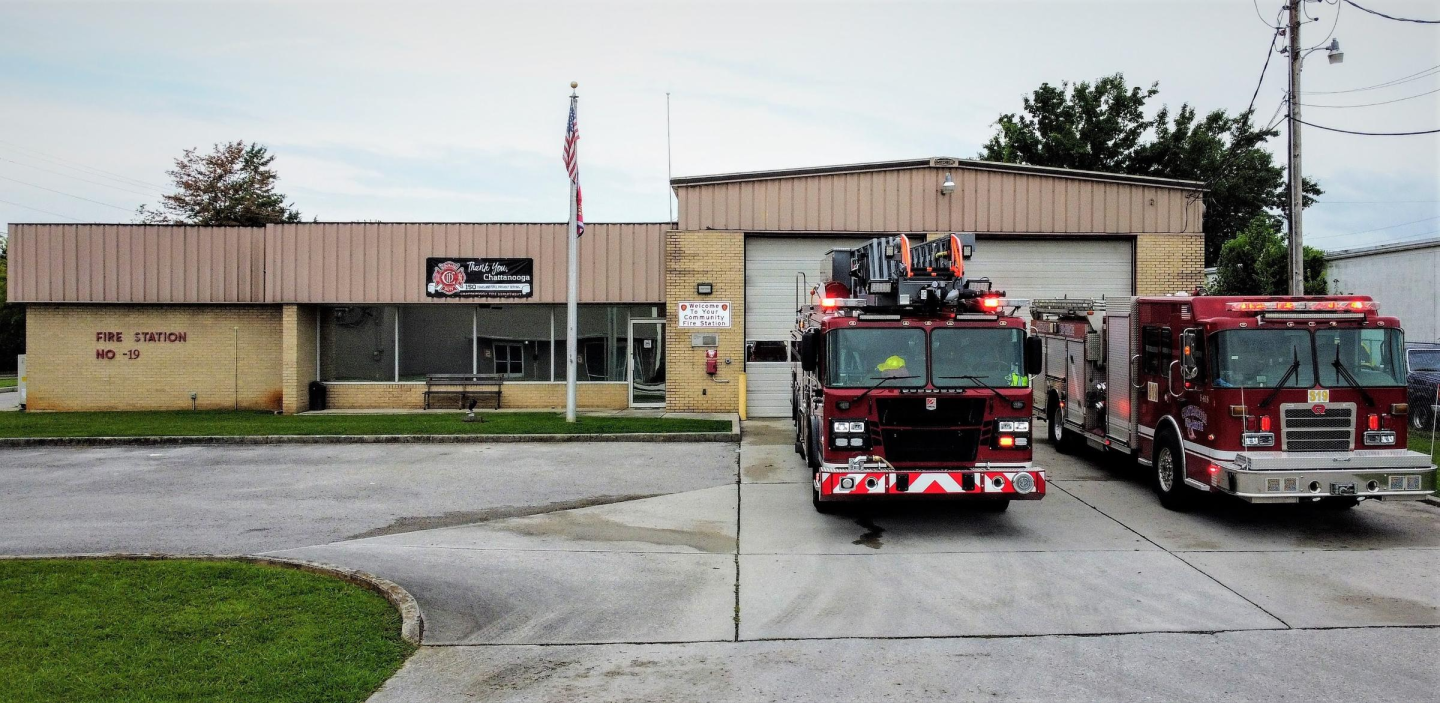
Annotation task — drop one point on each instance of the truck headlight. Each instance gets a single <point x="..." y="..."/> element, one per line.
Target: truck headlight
<point x="1258" y="439"/>
<point x="1383" y="438"/>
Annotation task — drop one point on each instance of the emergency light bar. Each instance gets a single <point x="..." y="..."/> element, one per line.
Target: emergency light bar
<point x="1303" y="306"/>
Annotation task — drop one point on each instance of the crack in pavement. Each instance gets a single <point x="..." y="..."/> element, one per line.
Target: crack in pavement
<point x="460" y="518"/>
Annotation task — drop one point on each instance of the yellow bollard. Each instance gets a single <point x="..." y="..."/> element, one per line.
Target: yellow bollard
<point x="742" y="395"/>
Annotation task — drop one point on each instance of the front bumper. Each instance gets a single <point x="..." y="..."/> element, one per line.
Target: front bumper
<point x="1288" y="477"/>
<point x="839" y="482"/>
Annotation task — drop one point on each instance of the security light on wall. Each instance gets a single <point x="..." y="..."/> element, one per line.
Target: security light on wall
<point x="704" y="288"/>
<point x="948" y="186"/>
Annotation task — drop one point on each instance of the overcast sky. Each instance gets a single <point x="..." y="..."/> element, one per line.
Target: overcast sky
<point x="456" y="112"/>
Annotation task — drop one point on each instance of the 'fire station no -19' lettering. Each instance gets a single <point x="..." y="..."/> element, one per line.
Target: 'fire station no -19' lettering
<point x="135" y="338"/>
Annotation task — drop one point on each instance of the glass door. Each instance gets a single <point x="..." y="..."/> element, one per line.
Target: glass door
<point x="647" y="363"/>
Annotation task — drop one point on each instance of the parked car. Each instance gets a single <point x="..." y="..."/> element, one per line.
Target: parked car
<point x="1424" y="361"/>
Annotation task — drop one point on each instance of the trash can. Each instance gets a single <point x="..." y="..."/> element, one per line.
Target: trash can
<point x="317" y="395"/>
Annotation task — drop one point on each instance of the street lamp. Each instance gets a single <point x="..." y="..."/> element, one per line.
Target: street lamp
<point x="1334" y="53"/>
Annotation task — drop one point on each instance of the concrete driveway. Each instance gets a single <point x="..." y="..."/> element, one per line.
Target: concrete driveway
<point x="724" y="584"/>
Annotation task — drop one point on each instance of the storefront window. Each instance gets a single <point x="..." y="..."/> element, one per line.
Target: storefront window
<point x="514" y="340"/>
<point x="436" y="339"/>
<point x="357" y="343"/>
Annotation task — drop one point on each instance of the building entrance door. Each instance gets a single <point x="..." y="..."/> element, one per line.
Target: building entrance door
<point x="647" y="363"/>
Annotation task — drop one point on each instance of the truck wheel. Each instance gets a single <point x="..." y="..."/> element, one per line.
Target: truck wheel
<point x="1419" y="417"/>
<point x="1344" y="503"/>
<point x="1059" y="437"/>
<point x="998" y="505"/>
<point x="812" y="446"/>
<point x="799" y="436"/>
<point x="822" y="508"/>
<point x="1169" y="481"/>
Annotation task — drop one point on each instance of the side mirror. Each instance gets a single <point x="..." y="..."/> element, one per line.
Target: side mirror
<point x="1034" y="353"/>
<point x="1192" y="353"/>
<point x="810" y="350"/>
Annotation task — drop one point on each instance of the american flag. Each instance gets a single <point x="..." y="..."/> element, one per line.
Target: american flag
<point x="572" y="164"/>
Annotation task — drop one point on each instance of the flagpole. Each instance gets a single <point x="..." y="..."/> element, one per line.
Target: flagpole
<point x="572" y="292"/>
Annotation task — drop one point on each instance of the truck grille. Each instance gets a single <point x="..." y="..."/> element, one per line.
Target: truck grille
<point x="914" y="446"/>
<point x="1301" y="430"/>
<point x="949" y="434"/>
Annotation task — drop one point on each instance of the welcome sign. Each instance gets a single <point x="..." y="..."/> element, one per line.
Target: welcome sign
<point x="479" y="278"/>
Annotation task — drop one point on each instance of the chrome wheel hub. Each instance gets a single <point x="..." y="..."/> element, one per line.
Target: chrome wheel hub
<point x="1165" y="470"/>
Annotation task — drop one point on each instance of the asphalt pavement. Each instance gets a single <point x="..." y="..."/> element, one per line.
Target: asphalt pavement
<point x="696" y="572"/>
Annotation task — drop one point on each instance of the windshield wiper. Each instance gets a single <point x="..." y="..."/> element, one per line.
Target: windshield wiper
<point x="976" y="379"/>
<point x="877" y="385"/>
<point x="1294" y="366"/>
<point x="1350" y="378"/>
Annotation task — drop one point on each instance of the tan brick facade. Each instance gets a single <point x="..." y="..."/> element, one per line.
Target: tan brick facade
<point x="297" y="356"/>
<point x="539" y="396"/>
<point x="1168" y="263"/>
<point x="704" y="257"/>
<point x="113" y="357"/>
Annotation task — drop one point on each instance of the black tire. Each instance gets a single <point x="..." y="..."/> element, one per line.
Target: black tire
<point x="820" y="507"/>
<point x="1168" y="478"/>
<point x="1419" y="417"/>
<point x="997" y="505"/>
<point x="1055" y="431"/>
<point x="812" y="447"/>
<point x="1344" y="503"/>
<point x="799" y="436"/>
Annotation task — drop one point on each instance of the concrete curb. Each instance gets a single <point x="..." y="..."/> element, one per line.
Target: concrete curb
<point x="412" y="623"/>
<point x="648" y="437"/>
<point x="1433" y="500"/>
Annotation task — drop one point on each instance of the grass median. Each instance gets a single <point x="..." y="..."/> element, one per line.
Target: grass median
<point x="241" y="423"/>
<point x="9" y="382"/>
<point x="110" y="630"/>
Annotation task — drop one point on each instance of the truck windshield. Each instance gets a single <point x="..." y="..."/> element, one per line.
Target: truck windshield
<point x="861" y="358"/>
<point x="1374" y="357"/>
<point x="995" y="356"/>
<point x="1260" y="358"/>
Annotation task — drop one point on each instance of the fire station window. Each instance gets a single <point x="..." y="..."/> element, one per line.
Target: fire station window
<point x="510" y="359"/>
<point x="765" y="351"/>
<point x="436" y="339"/>
<point x="1158" y="350"/>
<point x="357" y="343"/>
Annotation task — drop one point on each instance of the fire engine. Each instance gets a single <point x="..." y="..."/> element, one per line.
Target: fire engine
<point x="912" y="380"/>
<point x="1269" y="399"/>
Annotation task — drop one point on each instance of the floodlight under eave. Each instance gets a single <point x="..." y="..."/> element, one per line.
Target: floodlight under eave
<point x="948" y="186"/>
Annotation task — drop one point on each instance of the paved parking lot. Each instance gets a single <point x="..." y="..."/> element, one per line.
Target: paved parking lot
<point x="724" y="584"/>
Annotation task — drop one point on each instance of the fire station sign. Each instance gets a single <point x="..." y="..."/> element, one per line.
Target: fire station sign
<point x="708" y="314"/>
<point x="479" y="278"/>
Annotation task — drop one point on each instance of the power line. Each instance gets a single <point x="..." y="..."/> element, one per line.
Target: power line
<point x="1390" y="17"/>
<point x="68" y="195"/>
<point x="82" y="180"/>
<point x="1380" y="229"/>
<point x="1269" y="52"/>
<point x="1387" y="84"/>
<point x="1368" y="134"/>
<point x="1262" y="17"/>
<point x="76" y="164"/>
<point x="1387" y="102"/>
<point x="36" y="209"/>
<point x="1369" y="202"/>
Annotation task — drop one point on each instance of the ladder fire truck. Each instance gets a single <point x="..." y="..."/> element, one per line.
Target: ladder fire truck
<point x="913" y="380"/>
<point x="1269" y="399"/>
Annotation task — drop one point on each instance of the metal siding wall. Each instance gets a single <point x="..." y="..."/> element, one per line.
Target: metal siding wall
<point x="909" y="200"/>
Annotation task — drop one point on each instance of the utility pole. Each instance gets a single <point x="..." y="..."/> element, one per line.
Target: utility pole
<point x="1297" y="181"/>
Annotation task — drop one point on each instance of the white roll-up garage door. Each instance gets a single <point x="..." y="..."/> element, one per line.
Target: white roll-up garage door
<point x="1023" y="268"/>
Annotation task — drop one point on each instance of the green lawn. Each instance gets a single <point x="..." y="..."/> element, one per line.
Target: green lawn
<point x="10" y="382"/>
<point x="115" y="630"/>
<point x="188" y="423"/>
<point x="1420" y="441"/>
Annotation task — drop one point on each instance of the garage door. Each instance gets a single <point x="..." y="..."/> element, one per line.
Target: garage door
<point x="1023" y="268"/>
<point x="770" y="267"/>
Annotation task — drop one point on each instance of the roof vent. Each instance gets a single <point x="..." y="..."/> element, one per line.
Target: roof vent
<point x="944" y="161"/>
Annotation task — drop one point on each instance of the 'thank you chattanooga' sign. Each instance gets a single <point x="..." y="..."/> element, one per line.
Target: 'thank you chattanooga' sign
<point x="703" y="314"/>
<point x="479" y="278"/>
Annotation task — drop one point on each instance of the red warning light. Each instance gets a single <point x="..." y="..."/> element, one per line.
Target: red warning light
<point x="990" y="303"/>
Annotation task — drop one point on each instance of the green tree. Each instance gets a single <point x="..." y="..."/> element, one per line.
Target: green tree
<point x="1104" y="127"/>
<point x="1256" y="262"/>
<point x="12" y="316"/>
<point x="232" y="185"/>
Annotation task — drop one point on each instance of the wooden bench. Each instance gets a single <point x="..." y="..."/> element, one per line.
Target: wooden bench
<point x="484" y="388"/>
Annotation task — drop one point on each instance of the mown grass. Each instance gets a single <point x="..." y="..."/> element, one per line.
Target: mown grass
<point x="117" y="630"/>
<point x="241" y="423"/>
<point x="10" y="382"/>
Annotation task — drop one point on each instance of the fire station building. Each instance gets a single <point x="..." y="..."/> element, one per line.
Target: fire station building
<point x="130" y="317"/>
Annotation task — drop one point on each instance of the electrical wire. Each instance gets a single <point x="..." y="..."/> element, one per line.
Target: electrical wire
<point x="1369" y="202"/>
<point x="1378" y="229"/>
<point x="61" y="192"/>
<point x="1390" y="17"/>
<point x="1387" y="102"/>
<point x="77" y="165"/>
<point x="1387" y="84"/>
<point x="36" y="209"/>
<point x="82" y="180"/>
<point x="1368" y="134"/>
<point x="1333" y="25"/>
<point x="1262" y="17"/>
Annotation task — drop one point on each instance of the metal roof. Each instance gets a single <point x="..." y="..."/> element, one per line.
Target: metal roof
<point x="1382" y="249"/>
<point x="936" y="162"/>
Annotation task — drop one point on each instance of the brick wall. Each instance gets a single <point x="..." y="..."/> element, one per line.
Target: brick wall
<point x="88" y="357"/>
<point x="704" y="257"/>
<point x="538" y="396"/>
<point x="1168" y="263"/>
<point x="297" y="356"/>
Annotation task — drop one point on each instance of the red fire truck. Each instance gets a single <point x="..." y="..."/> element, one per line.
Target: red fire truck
<point x="1268" y="399"/>
<point x="913" y="380"/>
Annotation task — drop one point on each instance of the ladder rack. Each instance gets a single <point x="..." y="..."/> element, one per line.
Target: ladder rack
<point x="1064" y="307"/>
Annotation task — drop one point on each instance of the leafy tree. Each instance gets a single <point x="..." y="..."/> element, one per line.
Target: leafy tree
<point x="12" y="317"/>
<point x="1256" y="262"/>
<point x="1103" y="127"/>
<point x="232" y="185"/>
